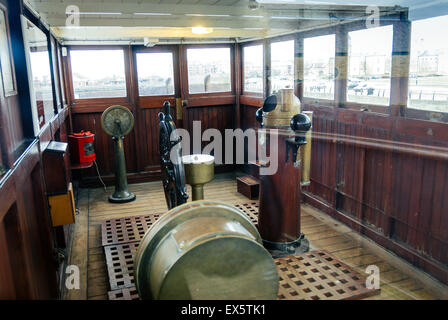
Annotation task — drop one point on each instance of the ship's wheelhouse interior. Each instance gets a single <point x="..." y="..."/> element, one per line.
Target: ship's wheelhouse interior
<point x="293" y="150"/>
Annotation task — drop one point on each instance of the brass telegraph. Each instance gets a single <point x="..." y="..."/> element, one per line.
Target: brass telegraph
<point x="118" y="121"/>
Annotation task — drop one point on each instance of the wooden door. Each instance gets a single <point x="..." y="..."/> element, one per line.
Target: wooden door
<point x="156" y="80"/>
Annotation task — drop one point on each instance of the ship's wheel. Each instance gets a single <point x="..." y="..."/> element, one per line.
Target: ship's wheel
<point x="173" y="174"/>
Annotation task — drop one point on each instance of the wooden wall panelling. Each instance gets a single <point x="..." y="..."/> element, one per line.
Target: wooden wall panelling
<point x="25" y="224"/>
<point x="8" y="288"/>
<point x="395" y="197"/>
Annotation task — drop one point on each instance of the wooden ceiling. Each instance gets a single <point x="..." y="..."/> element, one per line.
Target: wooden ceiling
<point x="172" y="20"/>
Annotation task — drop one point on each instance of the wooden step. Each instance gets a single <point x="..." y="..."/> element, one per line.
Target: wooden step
<point x="248" y="186"/>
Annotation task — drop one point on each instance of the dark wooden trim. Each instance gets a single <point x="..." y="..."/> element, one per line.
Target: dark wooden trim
<point x="21" y="71"/>
<point x="401" y="53"/>
<point x="341" y="68"/>
<point x="95" y="108"/>
<point x="211" y="101"/>
<point x="299" y="67"/>
<point x="251" y="101"/>
<point x="239" y="84"/>
<point x="267" y="70"/>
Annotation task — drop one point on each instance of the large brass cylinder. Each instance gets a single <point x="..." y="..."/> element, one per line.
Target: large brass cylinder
<point x="305" y="153"/>
<point x="288" y="105"/>
<point x="204" y="250"/>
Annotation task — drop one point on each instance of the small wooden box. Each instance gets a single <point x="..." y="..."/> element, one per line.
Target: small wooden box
<point x="62" y="208"/>
<point x="248" y="186"/>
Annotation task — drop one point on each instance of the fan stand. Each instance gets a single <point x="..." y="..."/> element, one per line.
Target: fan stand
<point x="121" y="194"/>
<point x="118" y="121"/>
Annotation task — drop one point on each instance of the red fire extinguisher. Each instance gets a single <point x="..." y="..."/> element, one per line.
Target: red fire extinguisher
<point x="81" y="147"/>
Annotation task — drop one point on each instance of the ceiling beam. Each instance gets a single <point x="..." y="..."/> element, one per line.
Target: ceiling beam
<point x="83" y="33"/>
<point x="210" y="22"/>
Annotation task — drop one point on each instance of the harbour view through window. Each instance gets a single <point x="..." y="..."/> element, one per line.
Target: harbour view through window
<point x="319" y="67"/>
<point x="98" y="73"/>
<point x="253" y="69"/>
<point x="428" y="74"/>
<point x="369" y="65"/>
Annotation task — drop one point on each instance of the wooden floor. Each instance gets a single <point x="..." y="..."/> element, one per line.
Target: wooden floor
<point x="398" y="281"/>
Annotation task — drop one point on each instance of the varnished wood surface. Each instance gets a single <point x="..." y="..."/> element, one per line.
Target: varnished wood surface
<point x="397" y="196"/>
<point x="322" y="231"/>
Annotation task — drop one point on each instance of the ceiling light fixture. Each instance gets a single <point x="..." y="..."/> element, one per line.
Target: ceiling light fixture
<point x="201" y="30"/>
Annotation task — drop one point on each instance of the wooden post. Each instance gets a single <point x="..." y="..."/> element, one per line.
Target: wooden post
<point x="341" y="67"/>
<point x="298" y="67"/>
<point x="267" y="68"/>
<point x="238" y="85"/>
<point x="400" y="66"/>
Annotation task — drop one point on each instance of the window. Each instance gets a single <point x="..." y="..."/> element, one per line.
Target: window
<point x="253" y="68"/>
<point x="319" y="53"/>
<point x="98" y="73"/>
<point x="428" y="74"/>
<point x="209" y="70"/>
<point x="282" y="65"/>
<point x="38" y="63"/>
<point x="155" y="73"/>
<point x="5" y="58"/>
<point x="369" y="65"/>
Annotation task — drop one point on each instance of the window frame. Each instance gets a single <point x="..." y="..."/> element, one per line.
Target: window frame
<point x="157" y="49"/>
<point x="286" y="38"/>
<point x="107" y="100"/>
<point x="58" y="102"/>
<point x="185" y="79"/>
<point x="13" y="92"/>
<point x="334" y="56"/>
<point x="373" y="106"/>
<point x="243" y="91"/>
<point x="38" y="24"/>
<point x="62" y="76"/>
